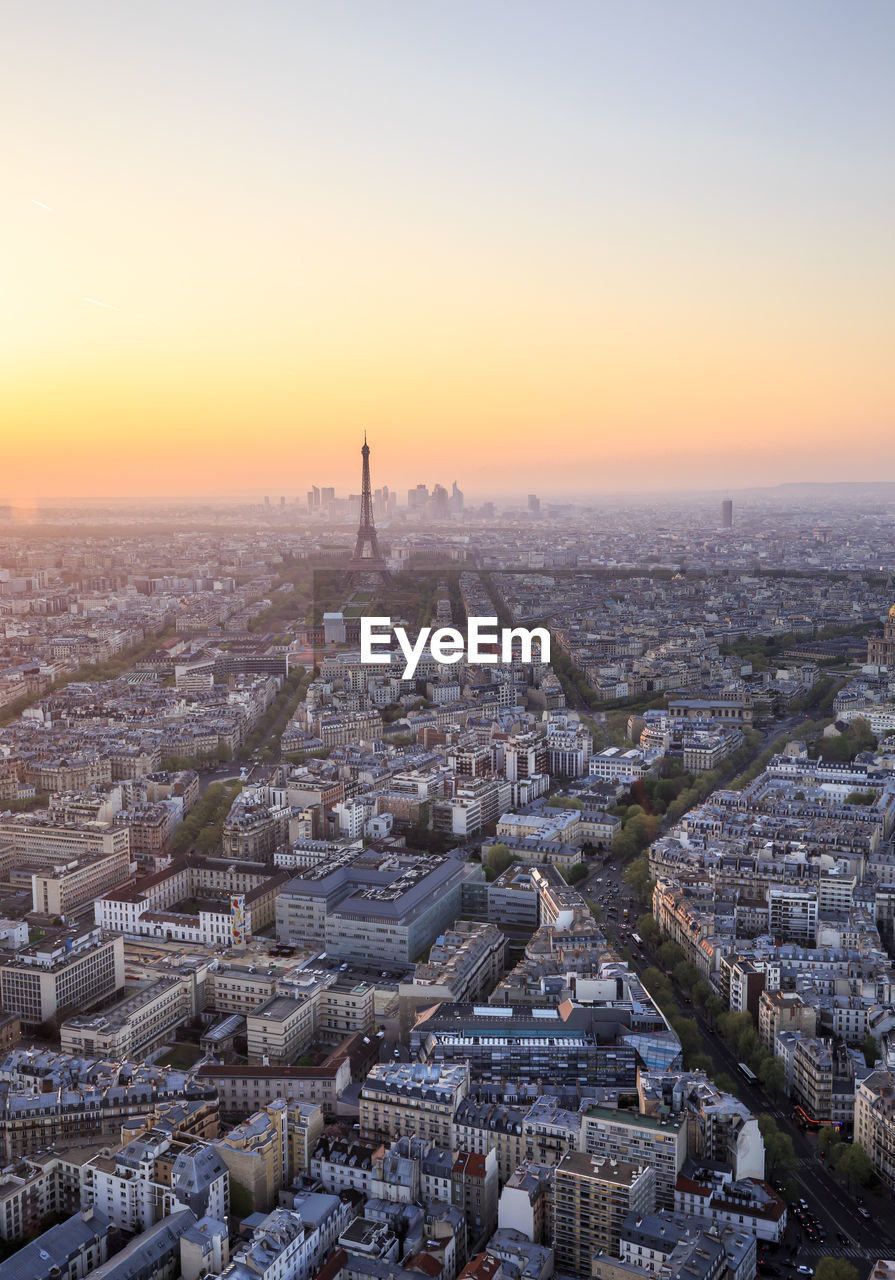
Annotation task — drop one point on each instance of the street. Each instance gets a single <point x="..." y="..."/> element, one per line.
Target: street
<point x="834" y="1208"/>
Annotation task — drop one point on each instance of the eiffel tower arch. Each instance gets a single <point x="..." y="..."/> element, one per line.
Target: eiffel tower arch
<point x="367" y="557"/>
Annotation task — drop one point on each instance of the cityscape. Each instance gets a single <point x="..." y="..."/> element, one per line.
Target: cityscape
<point x="447" y="643"/>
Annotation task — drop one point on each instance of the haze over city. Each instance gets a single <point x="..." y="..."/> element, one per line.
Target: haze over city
<point x="603" y="247"/>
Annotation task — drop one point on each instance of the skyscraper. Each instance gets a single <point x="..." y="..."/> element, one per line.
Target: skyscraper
<point x="727" y="514"/>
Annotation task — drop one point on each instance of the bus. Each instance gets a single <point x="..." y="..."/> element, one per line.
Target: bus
<point x="747" y="1073"/>
<point x="636" y="939"/>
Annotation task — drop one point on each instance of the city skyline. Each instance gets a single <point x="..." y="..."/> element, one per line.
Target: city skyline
<point x="616" y="250"/>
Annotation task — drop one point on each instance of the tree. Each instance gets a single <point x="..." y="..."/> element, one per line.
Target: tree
<point x="659" y="988"/>
<point x="648" y="929"/>
<point x="686" y="975"/>
<point x="565" y="802"/>
<point x="702" y="992"/>
<point x="670" y="954"/>
<point x="855" y="1164"/>
<point x="860" y="797"/>
<point x="714" y="1007"/>
<point x="871" y="1049"/>
<point x="643" y="828"/>
<point x="637" y="874"/>
<point x="772" y="1074"/>
<point x="497" y="859"/>
<point x="738" y="1030"/>
<point x="835" y="1269"/>
<point x="576" y="873"/>
<point x="687" y="1032"/>
<point x="747" y="1043"/>
<point x="780" y="1155"/>
<point x="209" y="838"/>
<point x="725" y="1083"/>
<point x="828" y="1138"/>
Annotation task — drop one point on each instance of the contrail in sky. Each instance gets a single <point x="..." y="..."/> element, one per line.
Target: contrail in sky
<point x="42" y="205"/>
<point x="96" y="303"/>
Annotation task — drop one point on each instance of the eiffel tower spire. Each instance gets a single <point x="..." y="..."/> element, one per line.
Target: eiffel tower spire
<point x="367" y="557"/>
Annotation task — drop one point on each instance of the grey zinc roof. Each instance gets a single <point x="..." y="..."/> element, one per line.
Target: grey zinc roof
<point x="54" y="1248"/>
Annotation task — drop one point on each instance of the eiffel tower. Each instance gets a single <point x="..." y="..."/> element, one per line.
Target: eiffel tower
<point x="367" y="557"/>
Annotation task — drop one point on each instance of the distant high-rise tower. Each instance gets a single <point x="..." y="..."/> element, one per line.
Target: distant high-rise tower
<point x="534" y="502"/>
<point x="366" y="558"/>
<point x="727" y="514"/>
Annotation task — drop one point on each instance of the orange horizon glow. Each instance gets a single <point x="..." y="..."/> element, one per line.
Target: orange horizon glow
<point x="235" y="244"/>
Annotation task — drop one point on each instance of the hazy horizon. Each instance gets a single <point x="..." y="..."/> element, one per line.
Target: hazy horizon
<point x="841" y="490"/>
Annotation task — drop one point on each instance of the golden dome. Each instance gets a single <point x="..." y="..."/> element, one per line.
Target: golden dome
<point x="892" y="611"/>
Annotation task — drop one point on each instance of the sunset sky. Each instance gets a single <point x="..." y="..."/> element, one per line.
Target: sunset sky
<point x="564" y="247"/>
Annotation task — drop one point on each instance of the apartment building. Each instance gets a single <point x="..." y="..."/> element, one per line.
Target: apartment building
<point x="464" y="963"/>
<point x="677" y="1246"/>
<point x="60" y="887"/>
<point x="705" y="1191"/>
<point x="68" y="969"/>
<point x="485" y="1126"/>
<point x="784" y="1011"/>
<point x="475" y="803"/>
<point x="406" y="1099"/>
<point x="279" y="1030"/>
<point x="150" y="825"/>
<point x="243" y="1089"/>
<point x="474" y="1191"/>
<point x="132" y="1028"/>
<point x="70" y="1250"/>
<point x="792" y="913"/>
<point x="66" y="1116"/>
<point x="618" y="764"/>
<point x="813" y="1070"/>
<point x="153" y="1176"/>
<point x="592" y="1197"/>
<point x="639" y="1140"/>
<point x="179" y="1245"/>
<point x="268" y="1150"/>
<point x="569" y="749"/>
<point x="875" y="1122"/>
<point x="526" y="1202"/>
<point x="31" y="1191"/>
<point x="289" y="1244"/>
<point x="39" y="840"/>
